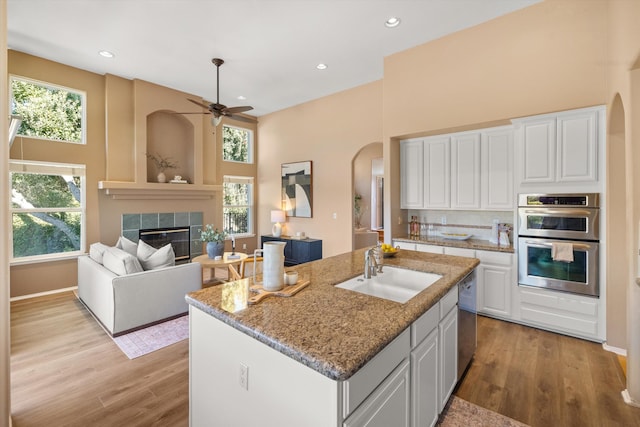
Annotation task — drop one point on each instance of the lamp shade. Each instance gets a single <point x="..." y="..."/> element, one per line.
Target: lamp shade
<point x="278" y="216"/>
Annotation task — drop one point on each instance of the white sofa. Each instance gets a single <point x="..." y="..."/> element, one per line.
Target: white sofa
<point x="128" y="302"/>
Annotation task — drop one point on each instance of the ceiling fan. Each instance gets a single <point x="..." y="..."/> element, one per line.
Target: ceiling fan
<point x="219" y="110"/>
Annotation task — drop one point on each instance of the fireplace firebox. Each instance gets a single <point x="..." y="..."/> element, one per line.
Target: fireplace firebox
<point x="179" y="237"/>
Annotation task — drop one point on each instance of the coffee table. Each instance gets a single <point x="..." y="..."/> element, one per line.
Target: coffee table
<point x="212" y="264"/>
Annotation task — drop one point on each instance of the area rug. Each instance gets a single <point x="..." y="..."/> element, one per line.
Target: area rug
<point x="459" y="412"/>
<point x="145" y="341"/>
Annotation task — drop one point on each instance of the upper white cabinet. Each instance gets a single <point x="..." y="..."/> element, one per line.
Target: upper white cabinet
<point x="560" y="147"/>
<point x="496" y="168"/>
<point x="412" y="181"/>
<point x="436" y="172"/>
<point x="465" y="171"/>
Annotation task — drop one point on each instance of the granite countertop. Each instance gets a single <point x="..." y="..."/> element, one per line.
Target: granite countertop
<point x="331" y="330"/>
<point x="470" y="243"/>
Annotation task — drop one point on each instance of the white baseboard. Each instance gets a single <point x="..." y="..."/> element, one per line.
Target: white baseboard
<point x="628" y="400"/>
<point x="616" y="350"/>
<point x="40" y="294"/>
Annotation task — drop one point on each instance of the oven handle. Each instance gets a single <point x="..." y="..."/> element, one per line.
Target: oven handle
<point x="548" y="245"/>
<point x="558" y="212"/>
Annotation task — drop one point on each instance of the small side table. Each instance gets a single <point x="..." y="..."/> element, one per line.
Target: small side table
<point x="212" y="264"/>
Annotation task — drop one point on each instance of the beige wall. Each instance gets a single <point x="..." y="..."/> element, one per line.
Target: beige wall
<point x="329" y="132"/>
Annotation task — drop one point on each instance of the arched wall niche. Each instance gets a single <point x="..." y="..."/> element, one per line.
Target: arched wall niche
<point x="170" y="136"/>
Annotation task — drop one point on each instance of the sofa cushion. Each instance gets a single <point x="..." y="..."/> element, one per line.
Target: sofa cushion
<point x="120" y="262"/>
<point x="96" y="251"/>
<point x="127" y="245"/>
<point x="152" y="258"/>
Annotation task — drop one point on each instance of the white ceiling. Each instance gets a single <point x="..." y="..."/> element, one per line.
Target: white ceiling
<point x="270" y="47"/>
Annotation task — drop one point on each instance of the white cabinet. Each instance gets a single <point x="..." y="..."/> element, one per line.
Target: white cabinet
<point x="424" y="381"/>
<point x="437" y="174"/>
<point x="496" y="181"/>
<point x="465" y="171"/>
<point x="434" y="249"/>
<point x="495" y="274"/>
<point x="411" y="174"/>
<point x="560" y="147"/>
<point x="405" y="245"/>
<point x="450" y="250"/>
<point x="448" y="342"/>
<point x="388" y="405"/>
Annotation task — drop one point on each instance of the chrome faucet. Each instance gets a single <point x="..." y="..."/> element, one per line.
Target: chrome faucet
<point x="371" y="267"/>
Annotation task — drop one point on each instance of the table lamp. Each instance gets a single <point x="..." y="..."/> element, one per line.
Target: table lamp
<point x="277" y="217"/>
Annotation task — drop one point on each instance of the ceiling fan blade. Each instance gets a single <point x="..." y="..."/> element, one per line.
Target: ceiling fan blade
<point x="201" y="112"/>
<point x="233" y="110"/>
<point x="242" y="118"/>
<point x="199" y="103"/>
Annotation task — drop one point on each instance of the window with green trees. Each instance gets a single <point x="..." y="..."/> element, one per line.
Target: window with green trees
<point x="237" y="207"/>
<point x="237" y="144"/>
<point x="48" y="111"/>
<point x="47" y="209"/>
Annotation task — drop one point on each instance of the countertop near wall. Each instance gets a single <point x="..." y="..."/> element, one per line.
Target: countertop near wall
<point x="471" y="243"/>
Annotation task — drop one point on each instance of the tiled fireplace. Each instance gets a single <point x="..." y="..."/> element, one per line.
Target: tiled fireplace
<point x="133" y="223"/>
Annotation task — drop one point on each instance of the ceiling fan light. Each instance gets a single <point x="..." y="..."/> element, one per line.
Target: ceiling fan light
<point x="215" y="121"/>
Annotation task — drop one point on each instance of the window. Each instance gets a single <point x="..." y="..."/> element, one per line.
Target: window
<point x="237" y="145"/>
<point x="48" y="111"/>
<point x="47" y="210"/>
<point x="237" y="209"/>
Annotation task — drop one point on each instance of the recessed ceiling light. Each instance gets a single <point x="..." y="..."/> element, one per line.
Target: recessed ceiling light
<point x="392" y="22"/>
<point x="321" y="66"/>
<point x="106" y="54"/>
<point x="242" y="98"/>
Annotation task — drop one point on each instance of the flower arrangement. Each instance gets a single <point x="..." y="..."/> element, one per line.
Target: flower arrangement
<point x="211" y="234"/>
<point x="162" y="163"/>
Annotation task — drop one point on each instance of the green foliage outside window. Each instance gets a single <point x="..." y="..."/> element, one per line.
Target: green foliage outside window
<point x="47" y="112"/>
<point x="46" y="214"/>
<point x="236" y="144"/>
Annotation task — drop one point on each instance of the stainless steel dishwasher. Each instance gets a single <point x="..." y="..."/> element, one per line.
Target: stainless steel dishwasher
<point x="467" y="322"/>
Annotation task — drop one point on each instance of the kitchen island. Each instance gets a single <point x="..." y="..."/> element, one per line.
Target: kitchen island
<point x="306" y="359"/>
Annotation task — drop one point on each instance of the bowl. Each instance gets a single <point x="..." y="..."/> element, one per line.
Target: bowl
<point x="389" y="254"/>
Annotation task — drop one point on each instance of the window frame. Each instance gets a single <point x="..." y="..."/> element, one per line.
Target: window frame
<point x="250" y="145"/>
<point x="53" y="86"/>
<point x="49" y="168"/>
<point x="249" y="180"/>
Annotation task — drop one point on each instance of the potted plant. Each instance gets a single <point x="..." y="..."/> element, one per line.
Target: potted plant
<point x="358" y="211"/>
<point x="162" y="164"/>
<point x="214" y="239"/>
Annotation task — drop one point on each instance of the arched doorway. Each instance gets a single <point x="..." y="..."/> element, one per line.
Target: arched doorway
<point x="367" y="198"/>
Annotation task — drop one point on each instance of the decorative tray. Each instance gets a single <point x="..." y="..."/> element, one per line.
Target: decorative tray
<point x="455" y="236"/>
<point x="390" y="254"/>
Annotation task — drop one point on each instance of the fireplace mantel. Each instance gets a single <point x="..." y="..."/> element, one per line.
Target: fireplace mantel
<point x="156" y="191"/>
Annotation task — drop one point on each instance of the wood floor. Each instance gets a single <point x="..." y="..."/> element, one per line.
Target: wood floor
<point x="545" y="379"/>
<point x="65" y="371"/>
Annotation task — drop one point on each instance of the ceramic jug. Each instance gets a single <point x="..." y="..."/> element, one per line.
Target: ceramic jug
<point x="272" y="265"/>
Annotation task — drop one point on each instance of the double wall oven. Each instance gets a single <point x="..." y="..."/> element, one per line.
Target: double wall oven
<point x="550" y="223"/>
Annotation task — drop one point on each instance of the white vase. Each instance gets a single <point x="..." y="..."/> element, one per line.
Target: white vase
<point x="162" y="177"/>
<point x="272" y="265"/>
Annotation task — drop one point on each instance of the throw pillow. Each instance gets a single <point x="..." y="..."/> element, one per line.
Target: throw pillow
<point x="152" y="258"/>
<point x="120" y="262"/>
<point x="127" y="245"/>
<point x="96" y="251"/>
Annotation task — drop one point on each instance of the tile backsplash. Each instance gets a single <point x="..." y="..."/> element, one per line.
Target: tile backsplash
<point x="477" y="223"/>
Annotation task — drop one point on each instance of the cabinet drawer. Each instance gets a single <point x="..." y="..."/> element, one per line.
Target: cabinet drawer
<point x="405" y="245"/>
<point x="471" y="253"/>
<point x="429" y="248"/>
<point x="359" y="386"/>
<point x="424" y="325"/>
<point x="495" y="258"/>
<point x="448" y="301"/>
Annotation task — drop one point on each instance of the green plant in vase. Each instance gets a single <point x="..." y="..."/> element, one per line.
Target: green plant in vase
<point x="214" y="239"/>
<point x="162" y="164"/>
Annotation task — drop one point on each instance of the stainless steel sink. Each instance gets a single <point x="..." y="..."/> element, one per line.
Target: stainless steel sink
<point x="395" y="284"/>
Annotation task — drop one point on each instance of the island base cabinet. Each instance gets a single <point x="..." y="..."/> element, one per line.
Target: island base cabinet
<point x="424" y="382"/>
<point x="388" y="405"/>
<point x="448" y="336"/>
<point x="279" y="391"/>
